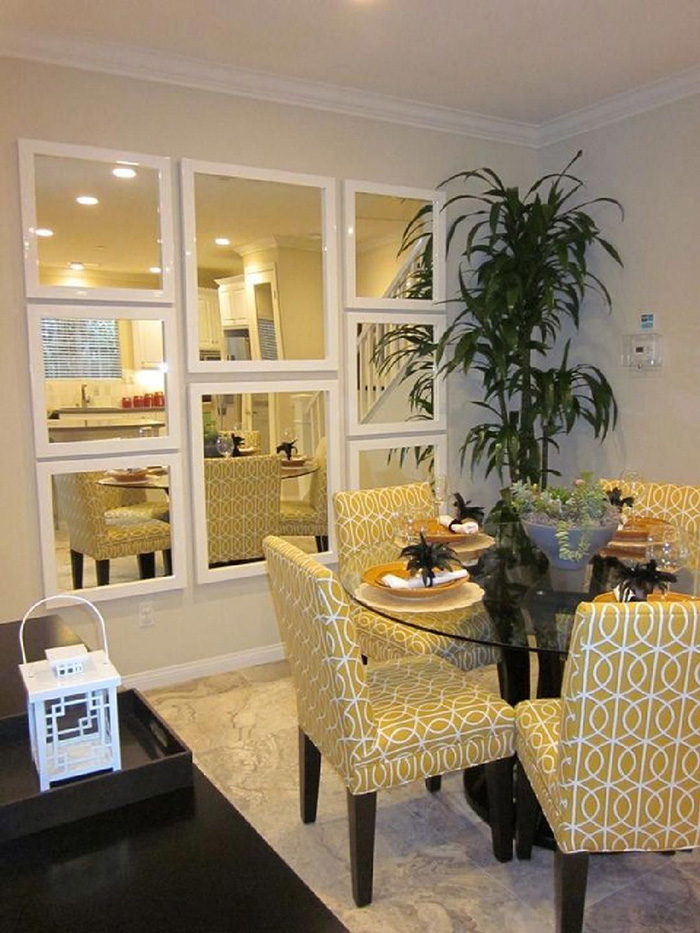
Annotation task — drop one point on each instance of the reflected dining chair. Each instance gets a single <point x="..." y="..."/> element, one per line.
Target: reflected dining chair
<point x="309" y="516"/>
<point x="82" y="503"/>
<point x="242" y="496"/>
<point x="614" y="763"/>
<point x="365" y="531"/>
<point x="380" y="726"/>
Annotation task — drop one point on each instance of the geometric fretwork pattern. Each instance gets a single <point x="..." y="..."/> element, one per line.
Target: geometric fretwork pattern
<point x="382" y="725"/>
<point x="616" y="762"/>
<point x="78" y="733"/>
<point x="365" y="530"/>
<point x="242" y="497"/>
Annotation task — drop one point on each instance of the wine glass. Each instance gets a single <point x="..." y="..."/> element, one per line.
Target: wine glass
<point x="224" y="445"/>
<point x="439" y="484"/>
<point x="667" y="545"/>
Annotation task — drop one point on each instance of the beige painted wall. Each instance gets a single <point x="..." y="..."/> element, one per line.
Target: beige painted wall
<point x="650" y="163"/>
<point x="73" y="106"/>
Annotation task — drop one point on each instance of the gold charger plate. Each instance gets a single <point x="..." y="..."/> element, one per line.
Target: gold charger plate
<point x="388" y="600"/>
<point x="295" y="462"/>
<point x="128" y="476"/>
<point x="436" y="533"/>
<point x="373" y="576"/>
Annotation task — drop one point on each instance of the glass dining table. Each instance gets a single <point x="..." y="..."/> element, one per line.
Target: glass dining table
<point x="508" y="603"/>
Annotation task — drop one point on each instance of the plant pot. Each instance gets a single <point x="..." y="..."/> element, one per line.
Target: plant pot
<point x="565" y="574"/>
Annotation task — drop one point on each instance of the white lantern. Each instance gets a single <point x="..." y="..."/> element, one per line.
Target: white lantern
<point x="71" y="707"/>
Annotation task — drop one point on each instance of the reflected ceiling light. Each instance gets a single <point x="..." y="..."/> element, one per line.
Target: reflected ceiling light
<point x="76" y="266"/>
<point x="156" y="270"/>
<point x="222" y="241"/>
<point x="43" y="231"/>
<point x="87" y="199"/>
<point x="123" y="172"/>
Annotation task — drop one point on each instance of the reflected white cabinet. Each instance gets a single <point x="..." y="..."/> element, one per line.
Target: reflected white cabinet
<point x="209" y="319"/>
<point x="233" y="303"/>
<point x="148" y="344"/>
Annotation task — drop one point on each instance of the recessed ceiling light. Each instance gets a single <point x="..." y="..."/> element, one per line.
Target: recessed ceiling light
<point x="124" y="172"/>
<point x="222" y="241"/>
<point x="76" y="266"/>
<point x="156" y="270"/>
<point x="43" y="231"/>
<point x="87" y="199"/>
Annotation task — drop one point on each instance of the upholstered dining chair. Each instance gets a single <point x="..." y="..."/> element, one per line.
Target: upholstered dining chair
<point x="615" y="762"/>
<point x="380" y="726"/>
<point x="242" y="497"/>
<point x="83" y="504"/>
<point x="365" y="531"/>
<point x="309" y="516"/>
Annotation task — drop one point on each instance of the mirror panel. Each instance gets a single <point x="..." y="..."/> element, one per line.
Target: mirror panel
<point x="262" y="468"/>
<point x="393" y="359"/>
<point x="108" y="527"/>
<point x="100" y="379"/>
<point x="376" y="462"/>
<point x="97" y="224"/>
<point x="394" y="246"/>
<point x="259" y="269"/>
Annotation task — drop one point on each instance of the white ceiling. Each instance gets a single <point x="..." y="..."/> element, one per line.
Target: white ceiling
<point x="531" y="61"/>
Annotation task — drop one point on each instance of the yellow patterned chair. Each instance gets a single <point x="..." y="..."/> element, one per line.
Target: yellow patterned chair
<point x="615" y="763"/>
<point x="364" y="525"/>
<point x="309" y="516"/>
<point x="380" y="726"/>
<point x="83" y="503"/>
<point x="242" y="496"/>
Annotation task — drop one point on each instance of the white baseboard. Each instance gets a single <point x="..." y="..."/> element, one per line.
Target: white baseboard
<point x="177" y="673"/>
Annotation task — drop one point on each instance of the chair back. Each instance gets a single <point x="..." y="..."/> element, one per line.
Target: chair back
<point x="318" y="491"/>
<point x="365" y="521"/>
<point x="629" y="765"/>
<point x="312" y="611"/>
<point x="242" y="496"/>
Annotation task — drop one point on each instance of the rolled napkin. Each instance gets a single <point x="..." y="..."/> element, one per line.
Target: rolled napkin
<point x="416" y="582"/>
<point x="459" y="528"/>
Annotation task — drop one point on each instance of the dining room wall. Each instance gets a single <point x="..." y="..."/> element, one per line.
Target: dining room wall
<point x="650" y="163"/>
<point x="73" y="106"/>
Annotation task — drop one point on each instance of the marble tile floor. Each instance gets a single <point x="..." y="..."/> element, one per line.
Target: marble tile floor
<point x="434" y="869"/>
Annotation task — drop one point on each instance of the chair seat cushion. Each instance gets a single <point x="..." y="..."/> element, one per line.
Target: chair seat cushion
<point x="382" y="639"/>
<point x="126" y="515"/>
<point x="430" y="719"/>
<point x="538" y="730"/>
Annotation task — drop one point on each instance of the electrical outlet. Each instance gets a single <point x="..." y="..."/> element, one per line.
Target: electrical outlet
<point x="146" y="615"/>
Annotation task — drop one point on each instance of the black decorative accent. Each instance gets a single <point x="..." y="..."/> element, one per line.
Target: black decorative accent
<point x="639" y="582"/>
<point x="424" y="557"/>
<point x="466" y="512"/>
<point x="287" y="447"/>
<point x="616" y="498"/>
<point x="237" y="443"/>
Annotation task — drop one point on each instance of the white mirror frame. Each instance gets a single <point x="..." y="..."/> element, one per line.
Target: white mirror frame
<point x="204" y="573"/>
<point x="28" y="149"/>
<point x="329" y="226"/>
<point x="355" y="448"/>
<point x="437" y="198"/>
<point x="44" y="448"/>
<point x="178" y="579"/>
<point x="354" y="425"/>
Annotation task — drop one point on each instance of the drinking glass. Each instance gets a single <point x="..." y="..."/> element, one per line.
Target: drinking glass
<point x="224" y="445"/>
<point x="439" y="484"/>
<point x="668" y="546"/>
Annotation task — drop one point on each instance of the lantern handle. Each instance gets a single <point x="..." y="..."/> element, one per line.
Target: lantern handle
<point x="71" y="598"/>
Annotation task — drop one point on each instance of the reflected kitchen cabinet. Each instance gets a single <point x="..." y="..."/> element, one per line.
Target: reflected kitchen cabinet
<point x="209" y="318"/>
<point x="147" y="339"/>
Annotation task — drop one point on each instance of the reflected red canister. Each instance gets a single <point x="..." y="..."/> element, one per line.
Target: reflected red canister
<point x="148" y="400"/>
<point x="138" y="401"/>
<point x="126" y="402"/>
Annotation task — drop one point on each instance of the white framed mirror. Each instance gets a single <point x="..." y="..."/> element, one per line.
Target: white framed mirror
<point x="97" y="223"/>
<point x="260" y="269"/>
<point x="374" y="462"/>
<point x="112" y="527"/>
<point x="394" y="244"/>
<point x="264" y="462"/>
<point x="391" y="366"/>
<point x="104" y="379"/>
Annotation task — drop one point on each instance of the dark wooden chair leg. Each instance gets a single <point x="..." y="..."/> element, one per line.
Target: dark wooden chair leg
<point x="499" y="785"/>
<point x="434" y="783"/>
<point x="309" y="775"/>
<point x="147" y="565"/>
<point x="168" y="562"/>
<point x="570" y="879"/>
<point x="362" y="809"/>
<point x="528" y="814"/>
<point x="102" y="572"/>
<point x="321" y="543"/>
<point x="76" y="567"/>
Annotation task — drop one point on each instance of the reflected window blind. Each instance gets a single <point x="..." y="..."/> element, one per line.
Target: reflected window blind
<point x="81" y="349"/>
<point x="268" y="339"/>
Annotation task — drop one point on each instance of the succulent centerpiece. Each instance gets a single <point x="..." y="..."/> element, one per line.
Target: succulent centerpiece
<point x="425" y="558"/>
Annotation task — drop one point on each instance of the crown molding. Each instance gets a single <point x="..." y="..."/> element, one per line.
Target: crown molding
<point x="151" y="65"/>
<point x="640" y="100"/>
